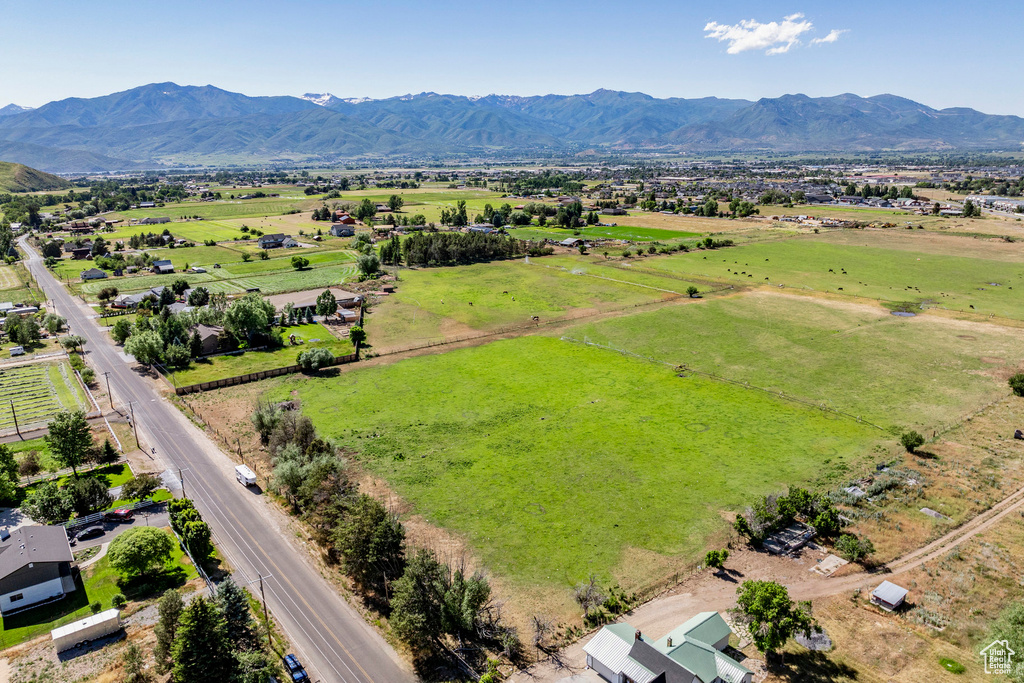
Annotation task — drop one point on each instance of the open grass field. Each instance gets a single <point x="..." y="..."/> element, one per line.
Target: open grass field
<point x="555" y="460"/>
<point x="435" y="303"/>
<point x="99" y="583"/>
<point x="940" y="272"/>
<point x="615" y="232"/>
<point x="273" y="276"/>
<point x="895" y="372"/>
<point x="310" y="337"/>
<point x="39" y="391"/>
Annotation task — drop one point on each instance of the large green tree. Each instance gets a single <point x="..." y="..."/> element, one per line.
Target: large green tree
<point x="371" y="541"/>
<point x="201" y="649"/>
<point x="8" y="473"/>
<point x="147" y="347"/>
<point x="249" y="317"/>
<point x="140" y="550"/>
<point x="772" y="617"/>
<point x="326" y="303"/>
<point x="233" y="604"/>
<point x="69" y="438"/>
<point x="169" y="610"/>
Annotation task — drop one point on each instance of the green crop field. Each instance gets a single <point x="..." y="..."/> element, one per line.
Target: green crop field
<point x="39" y="392"/>
<point x="556" y="460"/>
<point x="219" y="367"/>
<point x="896" y="372"/>
<point x="433" y="303"/>
<point x="945" y="277"/>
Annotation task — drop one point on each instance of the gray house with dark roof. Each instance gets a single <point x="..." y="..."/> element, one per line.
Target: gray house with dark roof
<point x="35" y="567"/>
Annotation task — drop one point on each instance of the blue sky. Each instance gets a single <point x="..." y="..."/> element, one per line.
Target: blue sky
<point x="940" y="53"/>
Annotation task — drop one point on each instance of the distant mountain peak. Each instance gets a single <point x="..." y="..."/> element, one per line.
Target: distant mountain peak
<point x="324" y="99"/>
<point x="12" y="109"/>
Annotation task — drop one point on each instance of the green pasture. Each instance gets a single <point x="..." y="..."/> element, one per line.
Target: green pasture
<point x="873" y="270"/>
<point x="615" y="232"/>
<point x="226" y="208"/>
<point x="220" y="367"/>
<point x="99" y="583"/>
<point x="900" y="372"/>
<point x="197" y="256"/>
<point x="282" y="260"/>
<point x="38" y="392"/>
<point x="221" y="280"/>
<point x="556" y="460"/>
<point x="433" y="303"/>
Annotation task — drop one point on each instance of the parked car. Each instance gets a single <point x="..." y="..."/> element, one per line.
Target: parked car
<point x="119" y="515"/>
<point x="90" y="532"/>
<point x="294" y="668"/>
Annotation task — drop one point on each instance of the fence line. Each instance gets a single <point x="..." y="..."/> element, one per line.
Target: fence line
<point x="46" y="476"/>
<point x="570" y="317"/>
<point x="254" y="376"/>
<point x="746" y="385"/>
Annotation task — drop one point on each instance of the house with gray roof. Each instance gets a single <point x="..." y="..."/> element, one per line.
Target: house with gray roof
<point x="691" y="653"/>
<point x="889" y="596"/>
<point x="35" y="567"/>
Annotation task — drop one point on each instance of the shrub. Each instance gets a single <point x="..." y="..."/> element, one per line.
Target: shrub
<point x="118" y="601"/>
<point x="854" y="549"/>
<point x="96" y="607"/>
<point x="88" y="376"/>
<point x="29" y="464"/>
<point x="314" y="359"/>
<point x="911" y="441"/>
<point x="1017" y="384"/>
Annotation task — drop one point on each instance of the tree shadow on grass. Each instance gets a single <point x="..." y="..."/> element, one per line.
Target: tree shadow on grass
<point x="146" y="585"/>
<point x="812" y="667"/>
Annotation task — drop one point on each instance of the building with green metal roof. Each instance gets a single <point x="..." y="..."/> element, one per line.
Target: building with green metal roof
<point x="690" y="653"/>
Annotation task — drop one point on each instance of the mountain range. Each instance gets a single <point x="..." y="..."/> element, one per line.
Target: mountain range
<point x="164" y="124"/>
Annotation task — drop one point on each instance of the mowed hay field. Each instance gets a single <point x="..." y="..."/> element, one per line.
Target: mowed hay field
<point x="556" y="460"/>
<point x="949" y="272"/>
<point x="894" y="371"/>
<point x="437" y="303"/>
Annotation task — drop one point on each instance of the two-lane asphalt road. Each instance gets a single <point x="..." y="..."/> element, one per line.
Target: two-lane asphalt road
<point x="330" y="638"/>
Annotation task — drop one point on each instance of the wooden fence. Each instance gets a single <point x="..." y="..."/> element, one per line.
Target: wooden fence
<point x="256" y="376"/>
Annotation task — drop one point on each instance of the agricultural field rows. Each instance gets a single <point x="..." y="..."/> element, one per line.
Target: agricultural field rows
<point x="38" y="392"/>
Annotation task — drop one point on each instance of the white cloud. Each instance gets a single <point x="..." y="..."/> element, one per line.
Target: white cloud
<point x="832" y="37"/>
<point x="774" y="37"/>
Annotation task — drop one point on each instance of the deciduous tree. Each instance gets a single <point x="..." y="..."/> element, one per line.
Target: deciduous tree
<point x="140" y="550"/>
<point x="69" y="438"/>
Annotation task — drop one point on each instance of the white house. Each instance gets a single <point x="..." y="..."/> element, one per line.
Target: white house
<point x="35" y="567"/>
<point x="691" y="653"/>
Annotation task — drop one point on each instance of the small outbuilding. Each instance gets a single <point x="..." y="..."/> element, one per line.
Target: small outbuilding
<point x="889" y="596"/>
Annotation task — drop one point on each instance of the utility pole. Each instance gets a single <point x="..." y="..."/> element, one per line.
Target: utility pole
<point x="266" y="616"/>
<point x="131" y="407"/>
<point x="110" y="396"/>
<point x="182" y="480"/>
<point x="15" y="415"/>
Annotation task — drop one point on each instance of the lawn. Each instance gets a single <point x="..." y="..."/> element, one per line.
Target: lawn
<point x="555" y="460"/>
<point x="99" y="583"/>
<point x="907" y="372"/>
<point x="219" y="367"/>
<point x="111" y="476"/>
<point x="42" y="449"/>
<point x="39" y="391"/>
<point x="943" y="275"/>
<point x="334" y="269"/>
<point x="435" y="303"/>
